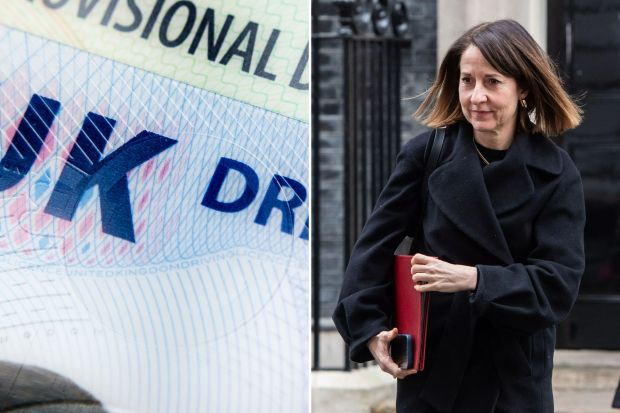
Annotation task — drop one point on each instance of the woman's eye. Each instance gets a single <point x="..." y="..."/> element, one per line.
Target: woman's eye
<point x="494" y="81"/>
<point x="465" y="80"/>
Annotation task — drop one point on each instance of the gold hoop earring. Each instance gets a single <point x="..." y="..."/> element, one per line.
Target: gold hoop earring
<point x="523" y="104"/>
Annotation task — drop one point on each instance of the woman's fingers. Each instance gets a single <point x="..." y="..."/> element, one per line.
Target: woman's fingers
<point x="418" y="268"/>
<point x="379" y="347"/>
<point x="387" y="365"/>
<point x="404" y="373"/>
<point x="423" y="288"/>
<point x="422" y="278"/>
<point x="382" y="353"/>
<point x="444" y="277"/>
<point x="422" y="259"/>
<point x="391" y="335"/>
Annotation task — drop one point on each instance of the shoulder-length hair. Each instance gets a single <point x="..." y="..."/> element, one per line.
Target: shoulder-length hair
<point x="510" y="49"/>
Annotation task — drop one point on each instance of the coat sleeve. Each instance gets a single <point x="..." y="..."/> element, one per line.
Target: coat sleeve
<point x="540" y="292"/>
<point x="365" y="305"/>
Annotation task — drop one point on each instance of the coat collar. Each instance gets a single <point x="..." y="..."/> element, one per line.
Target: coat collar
<point x="472" y="197"/>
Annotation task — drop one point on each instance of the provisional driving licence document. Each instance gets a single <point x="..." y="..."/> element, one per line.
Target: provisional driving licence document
<point x="154" y="202"/>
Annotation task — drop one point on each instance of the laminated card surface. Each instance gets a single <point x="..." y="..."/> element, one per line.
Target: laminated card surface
<point x="153" y="202"/>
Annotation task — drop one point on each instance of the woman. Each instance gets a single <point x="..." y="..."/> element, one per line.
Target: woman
<point x="502" y="249"/>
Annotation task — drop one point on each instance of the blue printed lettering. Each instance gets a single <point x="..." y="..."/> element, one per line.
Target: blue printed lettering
<point x="85" y="168"/>
<point x="219" y="176"/>
<point x="271" y="201"/>
<point x="306" y="229"/>
<point x="28" y="140"/>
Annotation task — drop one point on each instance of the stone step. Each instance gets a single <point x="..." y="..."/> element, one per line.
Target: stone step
<point x="586" y="370"/>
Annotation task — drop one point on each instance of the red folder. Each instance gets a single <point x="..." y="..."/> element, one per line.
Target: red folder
<point x="411" y="309"/>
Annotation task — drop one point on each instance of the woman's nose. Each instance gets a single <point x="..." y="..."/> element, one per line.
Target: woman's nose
<point x="478" y="96"/>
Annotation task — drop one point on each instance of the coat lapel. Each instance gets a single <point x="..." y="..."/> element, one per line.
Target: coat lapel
<point x="458" y="189"/>
<point x="508" y="182"/>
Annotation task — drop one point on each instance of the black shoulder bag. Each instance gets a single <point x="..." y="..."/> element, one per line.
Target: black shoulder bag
<point x="432" y="156"/>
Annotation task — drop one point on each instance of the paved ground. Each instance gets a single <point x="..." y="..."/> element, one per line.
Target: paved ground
<point x="584" y="382"/>
<point x="584" y="401"/>
<point x="363" y="390"/>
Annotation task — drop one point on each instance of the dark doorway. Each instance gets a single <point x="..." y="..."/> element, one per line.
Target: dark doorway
<point x="584" y="40"/>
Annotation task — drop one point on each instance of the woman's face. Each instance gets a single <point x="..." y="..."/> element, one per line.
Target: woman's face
<point x="489" y="100"/>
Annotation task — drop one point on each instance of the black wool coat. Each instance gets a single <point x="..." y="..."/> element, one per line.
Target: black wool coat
<point x="520" y="221"/>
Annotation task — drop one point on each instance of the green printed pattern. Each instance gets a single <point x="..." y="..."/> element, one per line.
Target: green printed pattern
<point x="123" y="38"/>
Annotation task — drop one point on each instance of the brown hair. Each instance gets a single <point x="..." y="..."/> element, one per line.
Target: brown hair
<point x="510" y="49"/>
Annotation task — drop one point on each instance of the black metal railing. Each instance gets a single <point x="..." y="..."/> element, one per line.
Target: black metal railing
<point x="371" y="38"/>
<point x="372" y="126"/>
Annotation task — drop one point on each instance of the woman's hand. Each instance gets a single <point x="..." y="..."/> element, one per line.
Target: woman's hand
<point x="379" y="348"/>
<point x="433" y="274"/>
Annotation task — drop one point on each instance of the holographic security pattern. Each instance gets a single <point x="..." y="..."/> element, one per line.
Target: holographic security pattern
<point x="207" y="310"/>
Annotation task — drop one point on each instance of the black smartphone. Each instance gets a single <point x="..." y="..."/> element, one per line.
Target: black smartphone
<point x="401" y="351"/>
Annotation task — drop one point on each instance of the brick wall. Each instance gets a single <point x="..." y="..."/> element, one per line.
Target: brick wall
<point x="418" y="70"/>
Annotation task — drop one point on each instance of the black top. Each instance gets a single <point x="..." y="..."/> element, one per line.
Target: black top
<point x="491" y="155"/>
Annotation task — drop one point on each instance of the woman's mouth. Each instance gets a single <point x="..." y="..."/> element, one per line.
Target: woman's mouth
<point x="480" y="113"/>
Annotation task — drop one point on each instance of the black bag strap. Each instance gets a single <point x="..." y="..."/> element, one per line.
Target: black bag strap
<point x="436" y="143"/>
<point x="432" y="156"/>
